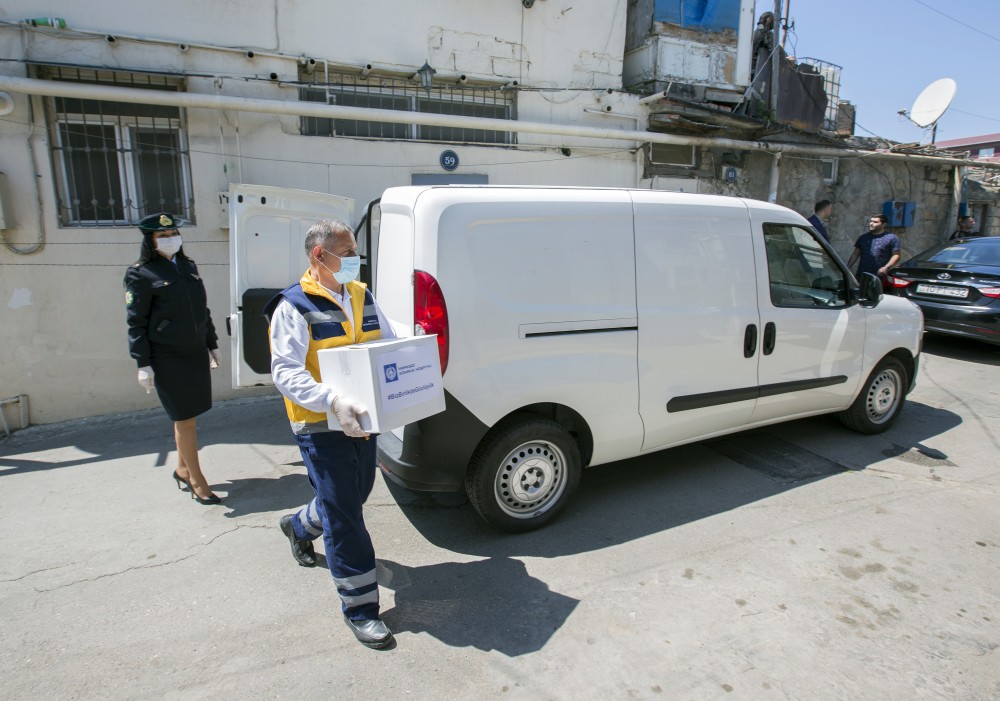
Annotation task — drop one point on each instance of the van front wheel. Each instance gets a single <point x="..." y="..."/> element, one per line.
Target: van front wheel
<point x="880" y="400"/>
<point x="523" y="473"/>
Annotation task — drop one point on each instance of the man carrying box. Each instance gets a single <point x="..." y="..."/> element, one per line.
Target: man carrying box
<point x="328" y="308"/>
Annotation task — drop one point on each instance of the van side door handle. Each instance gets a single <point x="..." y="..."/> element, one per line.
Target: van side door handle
<point x="770" y="334"/>
<point x="750" y="341"/>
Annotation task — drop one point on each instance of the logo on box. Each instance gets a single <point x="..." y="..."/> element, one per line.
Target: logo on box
<point x="391" y="375"/>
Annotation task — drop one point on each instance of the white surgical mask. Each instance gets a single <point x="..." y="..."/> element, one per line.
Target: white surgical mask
<point x="169" y="246"/>
<point x="350" y="267"/>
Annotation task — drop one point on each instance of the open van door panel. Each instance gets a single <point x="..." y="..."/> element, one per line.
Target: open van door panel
<point x="267" y="227"/>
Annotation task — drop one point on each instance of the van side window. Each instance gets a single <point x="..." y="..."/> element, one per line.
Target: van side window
<point x="801" y="272"/>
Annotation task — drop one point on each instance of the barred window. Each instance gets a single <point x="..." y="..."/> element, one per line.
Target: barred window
<point x="116" y="162"/>
<point x="492" y="102"/>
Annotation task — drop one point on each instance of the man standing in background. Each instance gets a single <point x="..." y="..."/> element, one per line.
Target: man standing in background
<point x="877" y="250"/>
<point x="966" y="228"/>
<point x="821" y="214"/>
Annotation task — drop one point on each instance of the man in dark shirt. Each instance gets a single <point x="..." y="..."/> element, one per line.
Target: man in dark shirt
<point x="877" y="250"/>
<point x="966" y="228"/>
<point x="821" y="213"/>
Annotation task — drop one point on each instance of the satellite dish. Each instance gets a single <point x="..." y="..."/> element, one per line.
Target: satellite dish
<point x="932" y="102"/>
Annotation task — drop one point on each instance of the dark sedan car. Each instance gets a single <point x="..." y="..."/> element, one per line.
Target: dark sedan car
<point x="957" y="285"/>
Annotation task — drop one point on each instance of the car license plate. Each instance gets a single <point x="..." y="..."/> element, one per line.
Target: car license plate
<point x="962" y="292"/>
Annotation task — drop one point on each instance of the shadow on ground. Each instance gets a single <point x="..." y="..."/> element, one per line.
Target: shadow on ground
<point x="622" y="501"/>
<point x="265" y="495"/>
<point x="965" y="349"/>
<point x="491" y="604"/>
<point x="260" y="420"/>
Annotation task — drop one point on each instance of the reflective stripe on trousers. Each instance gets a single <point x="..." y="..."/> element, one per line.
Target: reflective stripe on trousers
<point x="342" y="472"/>
<point x="308" y="518"/>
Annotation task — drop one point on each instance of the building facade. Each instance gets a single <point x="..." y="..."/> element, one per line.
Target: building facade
<point x="79" y="171"/>
<point x="980" y="148"/>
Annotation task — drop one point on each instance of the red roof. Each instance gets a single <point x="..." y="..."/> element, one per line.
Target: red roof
<point x="969" y="141"/>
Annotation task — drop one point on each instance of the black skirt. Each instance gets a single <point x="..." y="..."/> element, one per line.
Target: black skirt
<point x="183" y="380"/>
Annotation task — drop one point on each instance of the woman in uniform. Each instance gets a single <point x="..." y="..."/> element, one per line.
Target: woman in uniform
<point x="173" y="341"/>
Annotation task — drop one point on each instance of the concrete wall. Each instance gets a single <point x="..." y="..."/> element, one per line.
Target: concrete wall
<point x="64" y="333"/>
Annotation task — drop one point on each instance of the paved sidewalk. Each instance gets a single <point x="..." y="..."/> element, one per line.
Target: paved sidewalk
<point x="798" y="562"/>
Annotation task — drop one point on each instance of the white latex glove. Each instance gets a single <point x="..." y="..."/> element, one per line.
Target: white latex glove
<point x="349" y="412"/>
<point x="215" y="358"/>
<point x="146" y="378"/>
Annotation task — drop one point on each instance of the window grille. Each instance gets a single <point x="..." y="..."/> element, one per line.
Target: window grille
<point x="116" y="162"/>
<point x="404" y="95"/>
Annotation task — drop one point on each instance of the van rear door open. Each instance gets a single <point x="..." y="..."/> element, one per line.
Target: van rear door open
<point x="267" y="229"/>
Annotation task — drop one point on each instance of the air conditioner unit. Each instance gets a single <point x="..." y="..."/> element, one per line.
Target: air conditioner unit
<point x="729" y="174"/>
<point x="672" y="154"/>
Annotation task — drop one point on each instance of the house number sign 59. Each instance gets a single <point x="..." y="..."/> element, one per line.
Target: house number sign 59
<point x="449" y="160"/>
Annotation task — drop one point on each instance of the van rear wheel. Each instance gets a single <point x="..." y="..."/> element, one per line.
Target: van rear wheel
<point x="880" y="400"/>
<point x="523" y="473"/>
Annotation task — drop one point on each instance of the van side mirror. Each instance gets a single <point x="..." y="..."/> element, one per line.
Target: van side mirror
<point x="870" y="291"/>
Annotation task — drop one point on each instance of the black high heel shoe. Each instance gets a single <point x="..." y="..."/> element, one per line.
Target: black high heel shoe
<point x="180" y="480"/>
<point x="214" y="499"/>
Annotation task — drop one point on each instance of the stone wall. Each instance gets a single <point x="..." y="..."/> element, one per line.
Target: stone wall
<point x="860" y="188"/>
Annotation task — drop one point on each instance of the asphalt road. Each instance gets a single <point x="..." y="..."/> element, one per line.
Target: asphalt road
<point x="802" y="561"/>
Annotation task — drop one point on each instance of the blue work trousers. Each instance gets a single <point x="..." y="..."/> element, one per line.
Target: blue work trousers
<point x="342" y="472"/>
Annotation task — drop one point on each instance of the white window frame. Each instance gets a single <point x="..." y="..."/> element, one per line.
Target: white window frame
<point x="147" y="124"/>
<point x="834" y="163"/>
<point x="67" y="188"/>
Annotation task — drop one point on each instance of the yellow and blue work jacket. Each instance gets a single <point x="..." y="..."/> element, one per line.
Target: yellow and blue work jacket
<point x="329" y="327"/>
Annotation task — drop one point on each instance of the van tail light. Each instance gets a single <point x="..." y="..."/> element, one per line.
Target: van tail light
<point x="430" y="314"/>
<point x="899" y="282"/>
<point x="993" y="292"/>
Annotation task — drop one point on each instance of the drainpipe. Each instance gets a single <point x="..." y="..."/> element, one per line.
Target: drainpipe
<point x="772" y="189"/>
<point x="775" y="60"/>
<point x="956" y="201"/>
<point x="85" y="91"/>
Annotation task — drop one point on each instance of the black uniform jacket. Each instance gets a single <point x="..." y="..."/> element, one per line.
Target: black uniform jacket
<point x="167" y="306"/>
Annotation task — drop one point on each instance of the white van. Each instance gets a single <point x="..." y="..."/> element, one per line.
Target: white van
<point x="579" y="326"/>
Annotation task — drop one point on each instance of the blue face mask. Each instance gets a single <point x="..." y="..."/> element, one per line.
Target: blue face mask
<point x="350" y="267"/>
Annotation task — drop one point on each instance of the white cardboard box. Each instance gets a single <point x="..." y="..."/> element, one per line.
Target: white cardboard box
<point x="398" y="380"/>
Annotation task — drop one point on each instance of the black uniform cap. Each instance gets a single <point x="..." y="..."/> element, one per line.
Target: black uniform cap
<point x="159" y="222"/>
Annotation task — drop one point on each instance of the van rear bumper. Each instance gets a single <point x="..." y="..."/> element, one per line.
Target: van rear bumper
<point x="408" y="475"/>
<point x="434" y="453"/>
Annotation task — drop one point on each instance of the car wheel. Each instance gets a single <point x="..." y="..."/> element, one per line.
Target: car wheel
<point x="523" y="473"/>
<point x="880" y="400"/>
